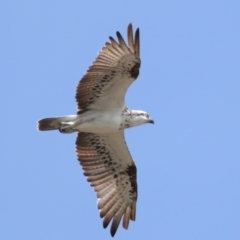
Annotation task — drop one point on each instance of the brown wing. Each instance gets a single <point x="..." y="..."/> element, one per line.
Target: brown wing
<point x="110" y="169"/>
<point x="107" y="79"/>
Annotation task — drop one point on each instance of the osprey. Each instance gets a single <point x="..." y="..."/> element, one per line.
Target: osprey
<point x="100" y="122"/>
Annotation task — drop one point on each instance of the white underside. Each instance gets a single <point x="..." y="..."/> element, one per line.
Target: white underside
<point x="96" y="121"/>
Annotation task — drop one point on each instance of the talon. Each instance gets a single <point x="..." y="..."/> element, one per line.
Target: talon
<point x="62" y="130"/>
<point x="66" y="127"/>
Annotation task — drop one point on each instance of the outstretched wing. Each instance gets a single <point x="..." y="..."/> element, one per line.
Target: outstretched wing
<point x="106" y="81"/>
<point x="109" y="168"/>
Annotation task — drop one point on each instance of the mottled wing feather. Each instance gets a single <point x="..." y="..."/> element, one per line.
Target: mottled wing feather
<point x="109" y="168"/>
<point x="106" y="81"/>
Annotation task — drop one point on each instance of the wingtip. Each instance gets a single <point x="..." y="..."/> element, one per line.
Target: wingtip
<point x="126" y="218"/>
<point x="137" y="42"/>
<point x="113" y="231"/>
<point x="133" y="42"/>
<point x="130" y="25"/>
<point x="130" y="37"/>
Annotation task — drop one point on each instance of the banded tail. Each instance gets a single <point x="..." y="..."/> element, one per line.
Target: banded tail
<point x="47" y="124"/>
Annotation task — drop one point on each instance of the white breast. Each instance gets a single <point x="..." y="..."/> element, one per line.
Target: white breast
<point x="98" y="121"/>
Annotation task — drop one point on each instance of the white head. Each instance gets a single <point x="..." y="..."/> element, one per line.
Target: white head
<point x="137" y="117"/>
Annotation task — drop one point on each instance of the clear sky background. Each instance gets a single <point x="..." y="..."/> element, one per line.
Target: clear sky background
<point x="188" y="162"/>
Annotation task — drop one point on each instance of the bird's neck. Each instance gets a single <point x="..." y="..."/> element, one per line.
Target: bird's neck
<point x="131" y="118"/>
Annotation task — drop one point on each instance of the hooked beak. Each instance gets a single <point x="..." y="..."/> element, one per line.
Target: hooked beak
<point x="151" y="121"/>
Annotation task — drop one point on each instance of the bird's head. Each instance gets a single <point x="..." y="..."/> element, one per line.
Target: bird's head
<point x="140" y="117"/>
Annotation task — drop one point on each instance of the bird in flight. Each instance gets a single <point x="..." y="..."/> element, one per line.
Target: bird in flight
<point x="100" y="121"/>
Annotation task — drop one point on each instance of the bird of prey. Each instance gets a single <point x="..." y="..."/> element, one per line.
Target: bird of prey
<point x="100" y="121"/>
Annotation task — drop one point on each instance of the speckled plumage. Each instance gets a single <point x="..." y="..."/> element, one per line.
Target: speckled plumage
<point x="100" y="122"/>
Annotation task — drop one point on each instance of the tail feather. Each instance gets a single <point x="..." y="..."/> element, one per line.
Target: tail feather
<point x="47" y="124"/>
<point x="54" y="123"/>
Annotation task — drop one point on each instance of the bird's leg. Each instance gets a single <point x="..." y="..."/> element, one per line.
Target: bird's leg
<point x="66" y="127"/>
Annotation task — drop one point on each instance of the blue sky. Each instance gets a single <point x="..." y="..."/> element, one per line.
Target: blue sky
<point x="188" y="162"/>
